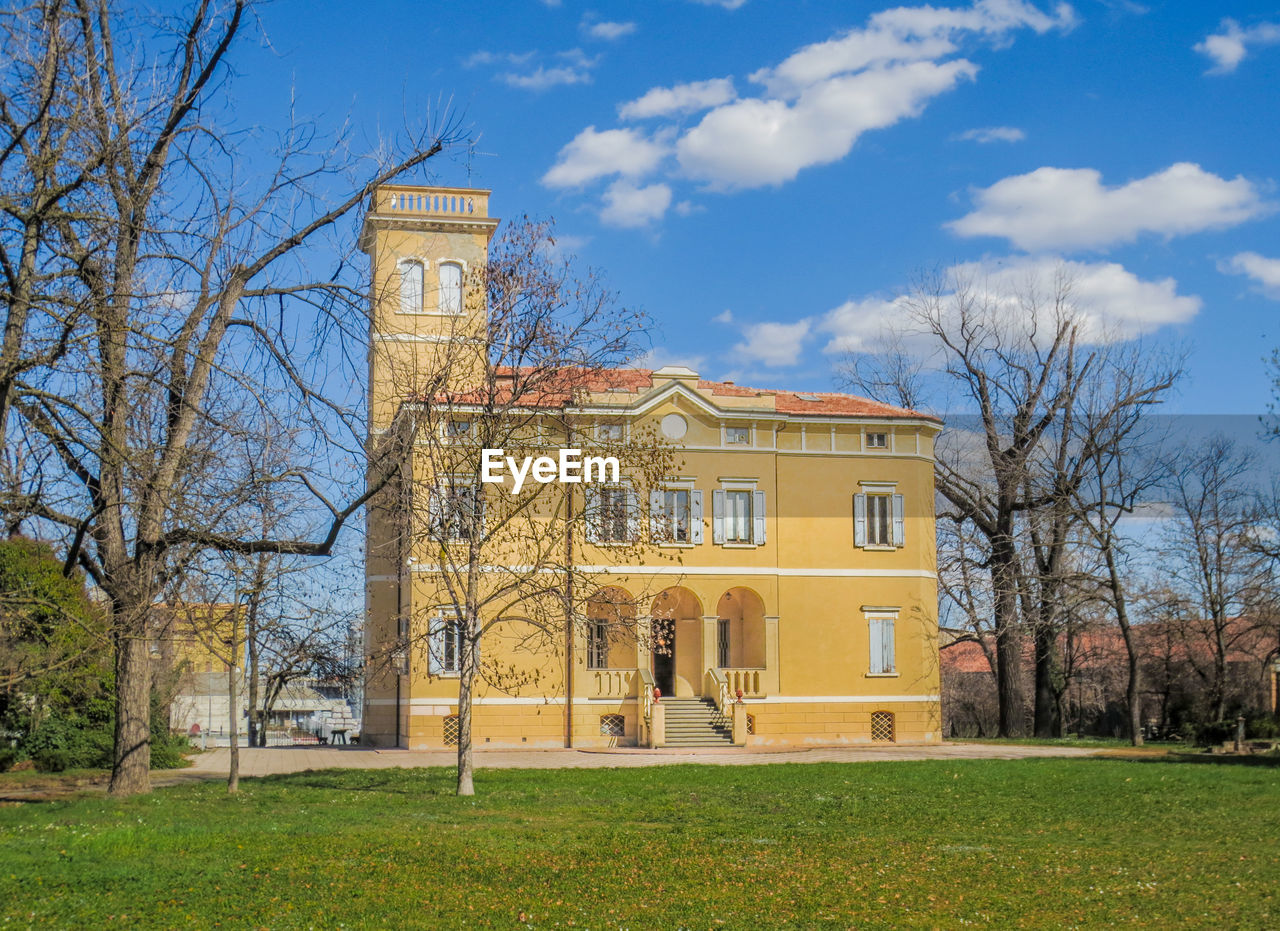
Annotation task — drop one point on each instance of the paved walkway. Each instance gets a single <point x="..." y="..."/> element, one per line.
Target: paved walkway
<point x="274" y="760"/>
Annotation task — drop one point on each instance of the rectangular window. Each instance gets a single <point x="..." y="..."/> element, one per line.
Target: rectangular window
<point x="738" y="525"/>
<point x="598" y="645"/>
<point x="457" y="512"/>
<point x="878" y="517"/>
<point x="675" y="514"/>
<point x="609" y="432"/>
<point x="737" y="436"/>
<point x="877" y="441"/>
<point x="444" y="642"/>
<point x="613" y="522"/>
<point x="722" y="643"/>
<point x="457" y="429"/>
<point x="882" y="636"/>
<point x="879" y="531"/>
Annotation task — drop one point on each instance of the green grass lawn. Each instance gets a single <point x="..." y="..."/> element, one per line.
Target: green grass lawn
<point x="1045" y="843"/>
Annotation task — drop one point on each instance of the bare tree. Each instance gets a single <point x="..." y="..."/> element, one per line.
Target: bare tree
<point x="1220" y="577"/>
<point x="1010" y="359"/>
<point x="199" y="311"/>
<point x="500" y="559"/>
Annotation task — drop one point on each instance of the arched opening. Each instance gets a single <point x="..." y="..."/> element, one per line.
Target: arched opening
<point x="410" y="286"/>
<point x="450" y="288"/>
<point x="674" y="633"/>
<point x="740" y="636"/>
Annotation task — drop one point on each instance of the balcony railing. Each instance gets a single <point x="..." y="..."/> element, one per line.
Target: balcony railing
<point x="432" y="202"/>
<point x="749" y="681"/>
<point x="611" y="683"/>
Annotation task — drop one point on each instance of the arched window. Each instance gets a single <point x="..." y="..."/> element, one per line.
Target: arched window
<point x="450" y="288"/>
<point x="410" y="286"/>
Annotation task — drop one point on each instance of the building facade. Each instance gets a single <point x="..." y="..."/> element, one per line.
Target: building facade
<point x="793" y="587"/>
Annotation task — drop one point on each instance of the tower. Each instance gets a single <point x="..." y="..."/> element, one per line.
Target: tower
<point x="427" y="248"/>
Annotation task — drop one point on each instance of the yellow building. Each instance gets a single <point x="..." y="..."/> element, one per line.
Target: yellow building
<point x="791" y="601"/>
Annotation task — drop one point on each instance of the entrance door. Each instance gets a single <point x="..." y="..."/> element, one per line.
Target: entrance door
<point x="664" y="655"/>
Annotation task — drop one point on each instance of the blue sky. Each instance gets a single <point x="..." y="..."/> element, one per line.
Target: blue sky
<point x="764" y="178"/>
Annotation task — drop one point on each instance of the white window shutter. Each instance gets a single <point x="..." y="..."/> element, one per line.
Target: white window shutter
<point x="591" y="515"/>
<point x="435" y="645"/>
<point x="899" y="521"/>
<point x="695" y="516"/>
<point x="435" y="508"/>
<point x="717" y="515"/>
<point x="655" y="515"/>
<point x="859" y="520"/>
<point x="874" y="624"/>
<point x="886" y="644"/>
<point x="633" y="515"/>
<point x="757" y="516"/>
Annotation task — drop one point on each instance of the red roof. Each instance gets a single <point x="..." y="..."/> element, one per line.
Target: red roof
<point x="557" y="391"/>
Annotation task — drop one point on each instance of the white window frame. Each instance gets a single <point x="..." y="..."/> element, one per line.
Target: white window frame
<point x="402" y="264"/>
<point x="657" y="508"/>
<point x="756" y="516"/>
<point x="444" y="491"/>
<point x="888" y="446"/>
<point x="593" y="514"/>
<point x="443" y="658"/>
<point x="724" y="435"/>
<point x="450" y="435"/>
<point x="882" y="642"/>
<point x="461" y="266"/>
<point x="597" y="644"/>
<point x="896" y="516"/>
<point x="600" y="429"/>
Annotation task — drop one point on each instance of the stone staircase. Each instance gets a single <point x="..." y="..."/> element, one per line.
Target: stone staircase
<point x="695" y="722"/>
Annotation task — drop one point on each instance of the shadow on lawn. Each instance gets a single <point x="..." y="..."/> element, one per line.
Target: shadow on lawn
<point x="1212" y="759"/>
<point x="387" y="781"/>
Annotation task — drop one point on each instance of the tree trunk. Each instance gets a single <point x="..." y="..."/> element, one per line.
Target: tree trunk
<point x="569" y="658"/>
<point x="233" y="776"/>
<point x="131" y="766"/>
<point x="1008" y="637"/>
<point x="466" y="784"/>
<point x="1048" y="721"/>
<point x="251" y="648"/>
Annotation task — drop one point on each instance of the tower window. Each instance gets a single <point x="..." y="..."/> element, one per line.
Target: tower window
<point x="410" y="286"/>
<point x="450" y="288"/>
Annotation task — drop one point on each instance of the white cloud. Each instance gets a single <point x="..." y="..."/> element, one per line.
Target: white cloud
<point x="773" y="344"/>
<point x="856" y="326"/>
<point x="683" y="98"/>
<point x="1229" y="46"/>
<point x="687" y="208"/>
<point x="725" y="316"/>
<point x="575" y="69"/>
<point x="993" y="134"/>
<point x="816" y="103"/>
<point x="629" y="205"/>
<point x="660" y="356"/>
<point x="1112" y="302"/>
<point x="757" y="142"/>
<point x="1064" y="208"/>
<point x="607" y="31"/>
<point x="475" y="59"/>
<point x="727" y="4"/>
<point x="1264" y="271"/>
<point x="542" y="78"/>
<point x="905" y="34"/>
<point x="820" y="99"/>
<point x="591" y="155"/>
